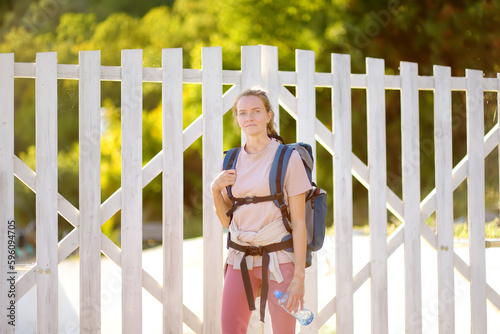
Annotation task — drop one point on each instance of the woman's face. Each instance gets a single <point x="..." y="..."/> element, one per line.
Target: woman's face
<point x="252" y="115"/>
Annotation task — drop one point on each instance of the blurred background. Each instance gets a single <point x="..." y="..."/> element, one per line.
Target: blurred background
<point x="459" y="34"/>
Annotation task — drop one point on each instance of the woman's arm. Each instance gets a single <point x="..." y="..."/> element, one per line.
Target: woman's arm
<point x="296" y="289"/>
<point x="222" y="204"/>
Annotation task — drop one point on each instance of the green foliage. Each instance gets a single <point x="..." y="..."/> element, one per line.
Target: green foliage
<point x="132" y="7"/>
<point x="461" y="35"/>
<point x="491" y="230"/>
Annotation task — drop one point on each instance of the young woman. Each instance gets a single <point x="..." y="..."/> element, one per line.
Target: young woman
<point x="255" y="226"/>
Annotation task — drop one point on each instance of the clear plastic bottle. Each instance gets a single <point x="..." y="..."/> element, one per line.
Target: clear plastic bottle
<point x="304" y="316"/>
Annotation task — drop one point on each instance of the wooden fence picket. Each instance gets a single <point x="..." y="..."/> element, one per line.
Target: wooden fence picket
<point x="173" y="176"/>
<point x="476" y="199"/>
<point x="131" y="208"/>
<point x="90" y="190"/>
<point x="306" y="132"/>
<point x="251" y="76"/>
<point x="306" y="100"/>
<point x="46" y="189"/>
<point x="444" y="198"/>
<point x="251" y="65"/>
<point x="7" y="222"/>
<point x="342" y="192"/>
<point x="269" y="77"/>
<point x="377" y="167"/>
<point x="212" y="161"/>
<point x="411" y="195"/>
<point x="251" y="72"/>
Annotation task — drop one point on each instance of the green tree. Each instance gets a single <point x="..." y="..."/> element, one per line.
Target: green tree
<point x="426" y="32"/>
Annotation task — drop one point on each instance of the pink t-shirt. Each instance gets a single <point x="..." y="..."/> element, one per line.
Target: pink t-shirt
<point x="252" y="179"/>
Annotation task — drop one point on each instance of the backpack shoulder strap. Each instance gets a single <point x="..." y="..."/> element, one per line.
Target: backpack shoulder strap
<point x="277" y="180"/>
<point x="230" y="163"/>
<point x="230" y="158"/>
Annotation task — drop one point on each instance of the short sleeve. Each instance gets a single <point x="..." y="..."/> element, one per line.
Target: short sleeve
<point x="296" y="179"/>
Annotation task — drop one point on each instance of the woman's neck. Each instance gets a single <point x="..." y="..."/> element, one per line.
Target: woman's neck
<point x="256" y="144"/>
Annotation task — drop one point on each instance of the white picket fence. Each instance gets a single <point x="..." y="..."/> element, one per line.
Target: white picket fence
<point x="259" y="66"/>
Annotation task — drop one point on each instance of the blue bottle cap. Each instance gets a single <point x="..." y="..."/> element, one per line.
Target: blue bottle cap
<point x="278" y="294"/>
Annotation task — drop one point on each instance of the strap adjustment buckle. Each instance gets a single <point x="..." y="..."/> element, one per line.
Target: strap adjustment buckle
<point x="254" y="251"/>
<point x="248" y="200"/>
<point x="284" y="209"/>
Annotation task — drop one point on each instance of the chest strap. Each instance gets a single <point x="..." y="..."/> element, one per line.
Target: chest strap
<point x="237" y="201"/>
<point x="257" y="251"/>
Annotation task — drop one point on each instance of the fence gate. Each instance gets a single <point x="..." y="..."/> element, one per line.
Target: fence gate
<point x="259" y="66"/>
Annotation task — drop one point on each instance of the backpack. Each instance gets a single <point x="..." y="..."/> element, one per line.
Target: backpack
<point x="316" y="206"/>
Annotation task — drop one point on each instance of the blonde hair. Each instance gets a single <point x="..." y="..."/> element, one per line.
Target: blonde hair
<point x="262" y="94"/>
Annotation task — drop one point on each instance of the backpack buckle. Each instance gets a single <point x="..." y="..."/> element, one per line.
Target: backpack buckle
<point x="254" y="251"/>
<point x="283" y="208"/>
<point x="248" y="200"/>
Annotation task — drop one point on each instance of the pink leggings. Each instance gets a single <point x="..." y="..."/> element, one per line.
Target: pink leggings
<point x="235" y="312"/>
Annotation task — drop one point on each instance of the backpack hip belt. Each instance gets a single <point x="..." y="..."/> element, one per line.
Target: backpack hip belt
<point x="257" y="251"/>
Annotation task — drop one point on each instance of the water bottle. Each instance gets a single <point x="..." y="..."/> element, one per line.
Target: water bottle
<point x="304" y="316"/>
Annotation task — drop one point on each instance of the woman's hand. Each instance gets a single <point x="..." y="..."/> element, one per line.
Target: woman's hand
<point x="296" y="293"/>
<point x="223" y="179"/>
